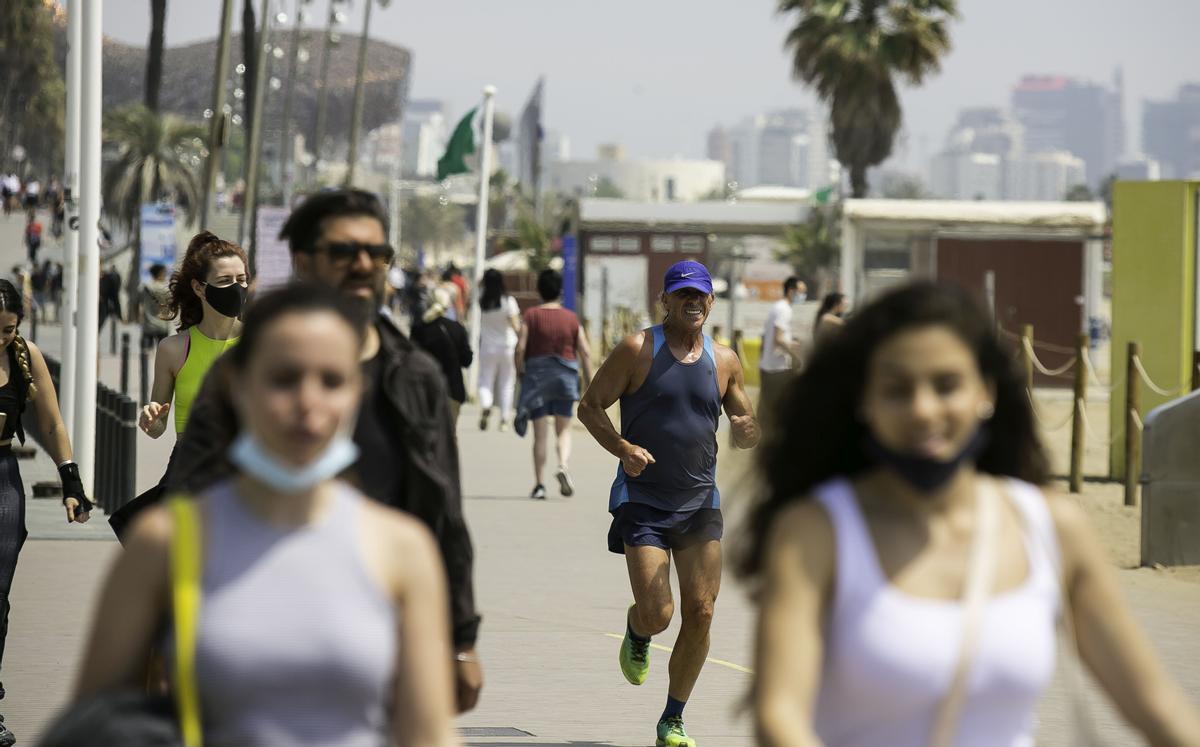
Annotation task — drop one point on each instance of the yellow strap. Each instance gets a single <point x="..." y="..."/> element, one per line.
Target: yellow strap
<point x="185" y="603"/>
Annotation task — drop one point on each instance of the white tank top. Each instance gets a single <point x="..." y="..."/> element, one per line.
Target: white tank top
<point x="889" y="656"/>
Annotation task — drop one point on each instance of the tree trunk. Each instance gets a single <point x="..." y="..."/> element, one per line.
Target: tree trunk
<point x="154" y="60"/>
<point x="858" y="181"/>
<point x="251" y="57"/>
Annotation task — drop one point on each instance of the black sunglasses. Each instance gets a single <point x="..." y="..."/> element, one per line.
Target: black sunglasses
<point x="347" y="251"/>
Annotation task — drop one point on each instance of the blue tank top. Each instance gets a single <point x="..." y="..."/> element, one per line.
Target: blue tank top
<point x="674" y="416"/>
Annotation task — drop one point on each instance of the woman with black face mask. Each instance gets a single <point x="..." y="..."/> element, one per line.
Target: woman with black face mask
<point x="910" y="571"/>
<point x="206" y="294"/>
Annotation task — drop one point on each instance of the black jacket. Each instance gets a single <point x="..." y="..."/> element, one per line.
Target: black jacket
<point x="415" y="394"/>
<point x="446" y="340"/>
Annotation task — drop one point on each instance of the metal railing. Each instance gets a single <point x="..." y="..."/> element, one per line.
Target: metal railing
<point x="116" y="441"/>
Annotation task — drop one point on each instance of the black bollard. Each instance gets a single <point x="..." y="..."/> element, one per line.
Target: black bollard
<point x="112" y="345"/>
<point x="125" y="364"/>
<point x="144" y="371"/>
<point x="128" y="459"/>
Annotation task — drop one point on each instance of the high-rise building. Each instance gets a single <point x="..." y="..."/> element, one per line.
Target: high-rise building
<point x="425" y="134"/>
<point x="1171" y="133"/>
<point x="1059" y="113"/>
<point x="1043" y="176"/>
<point x="784" y="148"/>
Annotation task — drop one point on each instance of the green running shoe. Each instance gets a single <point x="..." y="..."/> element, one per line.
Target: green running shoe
<point x="671" y="733"/>
<point x="635" y="657"/>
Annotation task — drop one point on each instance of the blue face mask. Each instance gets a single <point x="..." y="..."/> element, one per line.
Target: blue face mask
<point x="800" y="298"/>
<point x="248" y="454"/>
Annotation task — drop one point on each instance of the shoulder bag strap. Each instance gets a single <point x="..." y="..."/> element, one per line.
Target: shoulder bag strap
<point x="980" y="575"/>
<point x="185" y="604"/>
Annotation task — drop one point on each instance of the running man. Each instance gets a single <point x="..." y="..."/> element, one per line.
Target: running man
<point x="672" y="381"/>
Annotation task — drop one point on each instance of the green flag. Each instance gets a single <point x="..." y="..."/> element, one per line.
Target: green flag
<point x="461" y="145"/>
<point x="822" y="195"/>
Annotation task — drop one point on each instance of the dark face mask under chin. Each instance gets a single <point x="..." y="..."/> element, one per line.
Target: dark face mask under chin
<point x="924" y="474"/>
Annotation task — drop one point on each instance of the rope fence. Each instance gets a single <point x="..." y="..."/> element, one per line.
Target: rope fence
<point x="1081" y="369"/>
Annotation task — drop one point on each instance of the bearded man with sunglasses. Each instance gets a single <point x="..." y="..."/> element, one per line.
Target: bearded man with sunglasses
<point x="408" y="452"/>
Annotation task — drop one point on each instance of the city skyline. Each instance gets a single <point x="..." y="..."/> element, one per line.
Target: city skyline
<point x="659" y="91"/>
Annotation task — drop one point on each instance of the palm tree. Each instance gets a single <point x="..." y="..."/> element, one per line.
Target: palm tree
<point x="158" y="157"/>
<point x="431" y="224"/>
<point x="154" y="58"/>
<point x="814" y="247"/>
<point x="851" y="51"/>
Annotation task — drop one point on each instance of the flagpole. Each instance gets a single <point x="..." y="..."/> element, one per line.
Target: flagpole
<point x="481" y="224"/>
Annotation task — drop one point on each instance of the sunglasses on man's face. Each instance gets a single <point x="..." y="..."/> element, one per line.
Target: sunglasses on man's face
<point x="344" y="252"/>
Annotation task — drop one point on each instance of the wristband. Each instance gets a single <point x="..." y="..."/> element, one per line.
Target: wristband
<point x="72" y="485"/>
<point x="465" y="658"/>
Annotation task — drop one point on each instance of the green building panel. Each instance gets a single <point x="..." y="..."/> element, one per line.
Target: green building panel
<point x="1154" y="293"/>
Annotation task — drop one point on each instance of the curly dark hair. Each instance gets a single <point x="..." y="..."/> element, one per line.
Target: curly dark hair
<point x="304" y="226"/>
<point x="202" y="250"/>
<point x="797" y="457"/>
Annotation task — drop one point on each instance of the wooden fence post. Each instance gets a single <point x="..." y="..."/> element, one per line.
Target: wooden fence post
<point x="1080" y="402"/>
<point x="1133" y="436"/>
<point x="1027" y="357"/>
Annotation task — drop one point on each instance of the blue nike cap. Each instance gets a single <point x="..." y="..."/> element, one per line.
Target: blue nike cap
<point x="687" y="274"/>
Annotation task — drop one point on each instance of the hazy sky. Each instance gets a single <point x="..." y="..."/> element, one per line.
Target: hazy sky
<point x="656" y="75"/>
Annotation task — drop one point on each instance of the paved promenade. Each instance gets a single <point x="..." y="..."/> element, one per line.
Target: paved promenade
<point x="552" y="597"/>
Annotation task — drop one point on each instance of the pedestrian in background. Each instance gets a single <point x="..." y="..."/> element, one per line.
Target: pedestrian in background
<point x="110" y="295"/>
<point x="33" y="238"/>
<point x="155" y="304"/>
<point x="551" y="350"/>
<point x="26" y="380"/>
<point x="445" y="340"/>
<point x="910" y="570"/>
<point x="829" y="319"/>
<point x="500" y="325"/>
<point x="781" y="357"/>
<point x="206" y="294"/>
<point x="322" y="614"/>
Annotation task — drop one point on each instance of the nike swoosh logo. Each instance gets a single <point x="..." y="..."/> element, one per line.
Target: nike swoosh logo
<point x="685" y="275"/>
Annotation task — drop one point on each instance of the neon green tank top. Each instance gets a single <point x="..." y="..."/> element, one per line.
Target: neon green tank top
<point x="202" y="352"/>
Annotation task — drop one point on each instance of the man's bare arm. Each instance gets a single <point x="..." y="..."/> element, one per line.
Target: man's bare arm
<point x="607" y="386"/>
<point x="737" y="403"/>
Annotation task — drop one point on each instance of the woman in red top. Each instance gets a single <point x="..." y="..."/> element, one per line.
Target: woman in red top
<point x="550" y="351"/>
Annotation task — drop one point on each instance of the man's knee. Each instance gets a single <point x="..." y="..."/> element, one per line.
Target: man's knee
<point x="698" y="613"/>
<point x="654" y="617"/>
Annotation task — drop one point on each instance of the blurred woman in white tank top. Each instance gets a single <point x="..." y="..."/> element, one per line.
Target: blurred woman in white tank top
<point x="323" y="614"/>
<point x="859" y="548"/>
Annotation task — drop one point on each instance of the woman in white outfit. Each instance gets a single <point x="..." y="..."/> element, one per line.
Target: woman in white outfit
<point x="500" y="324"/>
<point x="871" y="541"/>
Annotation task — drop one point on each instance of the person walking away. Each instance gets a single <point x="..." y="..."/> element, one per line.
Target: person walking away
<point x="500" y="325"/>
<point x="37" y="284"/>
<point x="551" y="349"/>
<point x="8" y="193"/>
<point x="781" y="356"/>
<point x="912" y="511"/>
<point x="26" y="381"/>
<point x="156" y="304"/>
<point x="322" y="614"/>
<point x="446" y="340"/>
<point x="56" y="291"/>
<point x="33" y="238"/>
<point x="672" y="382"/>
<point x="33" y="196"/>
<point x="110" y="295"/>
<point x="829" y="319"/>
<point x="206" y="294"/>
<point x="454" y="275"/>
<point x="408" y="453"/>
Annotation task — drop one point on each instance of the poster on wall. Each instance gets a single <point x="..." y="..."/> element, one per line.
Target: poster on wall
<point x="158" y="237"/>
<point x="272" y="259"/>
